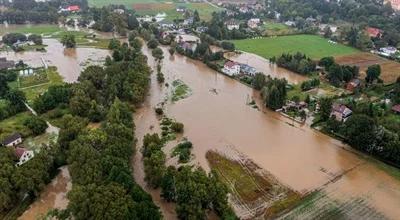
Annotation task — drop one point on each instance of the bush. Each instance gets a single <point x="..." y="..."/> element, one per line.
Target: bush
<point x="177" y="127"/>
<point x="36" y="125"/>
<point x="152" y="44"/>
<point x="228" y="46"/>
<point x="159" y="111"/>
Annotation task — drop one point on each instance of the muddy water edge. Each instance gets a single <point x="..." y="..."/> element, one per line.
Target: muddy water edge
<point x="217" y="117"/>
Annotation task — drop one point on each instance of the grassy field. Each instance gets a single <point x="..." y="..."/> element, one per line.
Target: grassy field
<point x="34" y="91"/>
<point x="44" y="29"/>
<point x="205" y="10"/>
<point x="313" y="46"/>
<point x="127" y="3"/>
<point x="14" y="124"/>
<point x="272" y="29"/>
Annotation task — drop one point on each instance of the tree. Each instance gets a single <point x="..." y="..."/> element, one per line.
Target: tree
<point x="258" y="81"/>
<point x="325" y="108"/>
<point x="226" y="45"/>
<point x="36" y="125"/>
<point x="373" y="73"/>
<point x="133" y="23"/>
<point x="152" y="44"/>
<point x="327" y="32"/>
<point x="36" y="39"/>
<point x="157" y="53"/>
<point x="114" y="44"/>
<point x="68" y="40"/>
<point x="360" y="132"/>
<point x="168" y="184"/>
<point x="196" y="16"/>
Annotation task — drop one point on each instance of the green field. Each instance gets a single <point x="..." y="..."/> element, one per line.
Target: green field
<point x="127" y="3"/>
<point x="44" y="29"/>
<point x="313" y="46"/>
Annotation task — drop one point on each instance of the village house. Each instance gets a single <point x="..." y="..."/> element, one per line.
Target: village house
<point x="201" y="29"/>
<point x="248" y="70"/>
<point x="396" y="109"/>
<point x="6" y="64"/>
<point x="290" y="23"/>
<point x="294" y="105"/>
<point x="253" y="22"/>
<point x="243" y="9"/>
<point x="181" y="8"/>
<point x="340" y="112"/>
<point x="373" y="32"/>
<point x="231" y="68"/>
<point x="23" y="155"/>
<point x="333" y="28"/>
<point x="71" y="8"/>
<point x="353" y="84"/>
<point x="12" y="140"/>
<point x="188" y="21"/>
<point x="232" y="25"/>
<point x="387" y="51"/>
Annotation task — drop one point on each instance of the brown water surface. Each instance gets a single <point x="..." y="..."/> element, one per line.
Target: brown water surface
<point x="216" y="117"/>
<point x="69" y="62"/>
<point x="53" y="196"/>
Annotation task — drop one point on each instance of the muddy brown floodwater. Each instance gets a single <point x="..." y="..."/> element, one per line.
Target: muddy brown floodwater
<point x="69" y="62"/>
<point x="216" y="116"/>
<point x="53" y="196"/>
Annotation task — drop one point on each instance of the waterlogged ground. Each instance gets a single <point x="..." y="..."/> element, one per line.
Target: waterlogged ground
<point x="69" y="62"/>
<point x="52" y="197"/>
<point x="216" y="116"/>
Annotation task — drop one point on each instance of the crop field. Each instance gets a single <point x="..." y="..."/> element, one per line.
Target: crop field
<point x="390" y="69"/>
<point x="273" y="29"/>
<point x="15" y="123"/>
<point x="313" y="46"/>
<point x="255" y="192"/>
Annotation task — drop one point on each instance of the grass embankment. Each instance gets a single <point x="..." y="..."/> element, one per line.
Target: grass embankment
<point x="84" y="39"/>
<point x="313" y="46"/>
<point x="127" y="3"/>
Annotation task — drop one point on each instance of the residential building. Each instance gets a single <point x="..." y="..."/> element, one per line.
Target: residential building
<point x="12" y="140"/>
<point x="333" y="28"/>
<point x="202" y="29"/>
<point x="340" y="112"/>
<point x="387" y="51"/>
<point x="395" y="4"/>
<point x="374" y="32"/>
<point x="6" y="64"/>
<point x="353" y="84"/>
<point x="248" y="70"/>
<point x="253" y="23"/>
<point x="232" y="25"/>
<point x="188" y="21"/>
<point x="396" y="109"/>
<point x="231" y="68"/>
<point x="290" y="23"/>
<point x="23" y="155"/>
<point x="181" y="8"/>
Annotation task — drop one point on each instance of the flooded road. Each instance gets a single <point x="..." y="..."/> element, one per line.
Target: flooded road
<point x="69" y="62"/>
<point x="299" y="157"/>
<point x="53" y="196"/>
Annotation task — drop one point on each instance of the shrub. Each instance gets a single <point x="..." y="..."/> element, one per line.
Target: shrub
<point x="177" y="127"/>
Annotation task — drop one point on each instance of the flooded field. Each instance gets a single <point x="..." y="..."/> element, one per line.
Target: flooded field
<point x="69" y="62"/>
<point x="216" y="116"/>
<point x="53" y="196"/>
<point x="263" y="65"/>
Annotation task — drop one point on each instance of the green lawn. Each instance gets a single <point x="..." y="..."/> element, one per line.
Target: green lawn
<point x="15" y="124"/>
<point x="45" y="29"/>
<point x="313" y="46"/>
<point x="127" y="3"/>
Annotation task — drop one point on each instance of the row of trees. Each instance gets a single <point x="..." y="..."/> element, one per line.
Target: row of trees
<point x="338" y="74"/>
<point x="298" y="63"/>
<point x="273" y="90"/>
<point x="193" y="191"/>
<point x="12" y="101"/>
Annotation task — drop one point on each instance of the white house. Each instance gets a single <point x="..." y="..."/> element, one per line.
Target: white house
<point x="253" y="23"/>
<point x="23" y="155"/>
<point x="387" y="51"/>
<point x="231" y="68"/>
<point x="13" y="140"/>
<point x="231" y="25"/>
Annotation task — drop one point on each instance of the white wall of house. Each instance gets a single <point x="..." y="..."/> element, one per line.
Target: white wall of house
<point x="231" y="71"/>
<point x="15" y="143"/>
<point x="25" y="157"/>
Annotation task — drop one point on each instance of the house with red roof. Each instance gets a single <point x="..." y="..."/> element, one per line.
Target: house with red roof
<point x="70" y="8"/>
<point x="396" y="109"/>
<point x="23" y="155"/>
<point x="374" y="32"/>
<point x="231" y="68"/>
